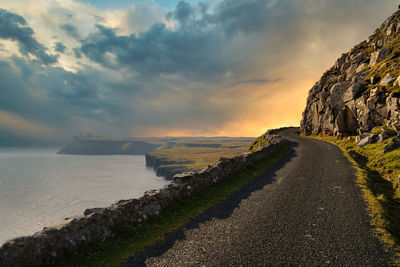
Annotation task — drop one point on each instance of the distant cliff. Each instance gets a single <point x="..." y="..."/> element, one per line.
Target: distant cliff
<point x="361" y="91"/>
<point x="101" y="146"/>
<point x="166" y="168"/>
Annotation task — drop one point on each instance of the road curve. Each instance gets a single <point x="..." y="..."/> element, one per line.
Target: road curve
<point x="305" y="210"/>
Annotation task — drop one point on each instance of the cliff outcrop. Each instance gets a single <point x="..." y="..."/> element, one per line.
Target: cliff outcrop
<point x="166" y="168"/>
<point x="361" y="90"/>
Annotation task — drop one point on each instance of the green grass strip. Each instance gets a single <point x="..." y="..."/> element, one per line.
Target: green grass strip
<point x="131" y="239"/>
<point x="377" y="174"/>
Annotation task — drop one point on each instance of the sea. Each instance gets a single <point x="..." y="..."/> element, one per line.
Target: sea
<point x="39" y="188"/>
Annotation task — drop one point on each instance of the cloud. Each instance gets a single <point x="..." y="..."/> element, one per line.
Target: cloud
<point x="225" y="67"/>
<point x="60" y="47"/>
<point x="70" y="30"/>
<point x="158" y="51"/>
<point x="14" y="27"/>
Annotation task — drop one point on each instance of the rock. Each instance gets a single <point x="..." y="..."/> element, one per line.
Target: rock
<point x="346" y="122"/>
<point x="374" y="79"/>
<point x="362" y="136"/>
<point x="391" y="29"/>
<point x="395" y="144"/>
<point x="361" y="67"/>
<point x="346" y="85"/>
<point x="340" y="61"/>
<point x="385" y="134"/>
<point x="337" y="91"/>
<point x="396" y="126"/>
<point x="93" y="210"/>
<point x="379" y="55"/>
<point x="397" y="82"/>
<point x="388" y="79"/>
<point x="367" y="139"/>
<point x="353" y="91"/>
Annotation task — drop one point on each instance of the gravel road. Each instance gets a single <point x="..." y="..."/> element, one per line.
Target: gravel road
<point x="305" y="210"/>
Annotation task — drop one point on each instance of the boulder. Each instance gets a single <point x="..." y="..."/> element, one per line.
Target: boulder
<point x="365" y="139"/>
<point x="362" y="136"/>
<point x="388" y="79"/>
<point x="385" y="134"/>
<point x="352" y="92"/>
<point x="395" y="144"/>
<point x="346" y="122"/>
<point x="379" y="55"/>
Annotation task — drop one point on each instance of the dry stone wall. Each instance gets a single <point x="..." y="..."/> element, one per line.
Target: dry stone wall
<point x="52" y="243"/>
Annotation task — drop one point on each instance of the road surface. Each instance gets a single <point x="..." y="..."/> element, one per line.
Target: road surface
<point x="305" y="210"/>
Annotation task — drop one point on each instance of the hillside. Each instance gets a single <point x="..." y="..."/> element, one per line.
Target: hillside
<point x="361" y="90"/>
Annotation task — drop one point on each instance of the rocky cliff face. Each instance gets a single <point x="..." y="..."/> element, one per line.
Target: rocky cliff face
<point x="361" y="90"/>
<point x="166" y="168"/>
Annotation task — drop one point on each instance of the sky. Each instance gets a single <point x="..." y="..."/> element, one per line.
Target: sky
<point x="140" y="68"/>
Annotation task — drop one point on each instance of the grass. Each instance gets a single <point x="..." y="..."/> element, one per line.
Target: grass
<point x="377" y="175"/>
<point x="198" y="158"/>
<point x="389" y="65"/>
<point x="258" y="143"/>
<point x="130" y="239"/>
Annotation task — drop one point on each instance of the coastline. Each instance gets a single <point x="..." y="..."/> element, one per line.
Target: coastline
<point x="54" y="242"/>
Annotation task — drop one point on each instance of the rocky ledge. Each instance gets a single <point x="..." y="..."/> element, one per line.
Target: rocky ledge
<point x="52" y="243"/>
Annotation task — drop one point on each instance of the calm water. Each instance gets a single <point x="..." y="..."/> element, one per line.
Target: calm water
<point x="39" y="188"/>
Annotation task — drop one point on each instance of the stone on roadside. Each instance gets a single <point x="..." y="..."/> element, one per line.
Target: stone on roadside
<point x="395" y="144"/>
<point x="365" y="139"/>
<point x="385" y="134"/>
<point x="362" y="136"/>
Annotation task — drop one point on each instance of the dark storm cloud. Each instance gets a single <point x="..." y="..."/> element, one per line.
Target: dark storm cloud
<point x="14" y="27"/>
<point x="183" y="12"/>
<point x="195" y="54"/>
<point x="77" y="52"/>
<point x="70" y="30"/>
<point x="198" y="48"/>
<point x="66" y="94"/>
<point x="60" y="47"/>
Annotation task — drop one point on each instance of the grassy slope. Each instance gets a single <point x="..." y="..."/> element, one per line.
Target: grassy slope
<point x="377" y="175"/>
<point x="389" y="65"/>
<point x="259" y="142"/>
<point x="130" y="239"/>
<point x="203" y="156"/>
